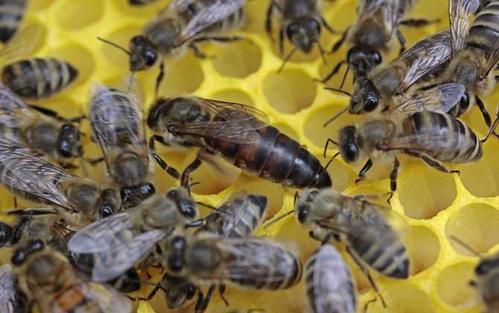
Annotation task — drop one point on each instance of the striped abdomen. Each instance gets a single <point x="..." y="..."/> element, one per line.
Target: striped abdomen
<point x="276" y="157"/>
<point x="484" y="32"/>
<point x="242" y="219"/>
<point x="329" y="283"/>
<point x="442" y="137"/>
<point x="380" y="247"/>
<point x="38" y="77"/>
<point x="11" y="14"/>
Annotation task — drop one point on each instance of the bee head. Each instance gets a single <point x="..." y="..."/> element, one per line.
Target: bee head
<point x="365" y="97"/>
<point x="21" y="254"/>
<point x="304" y="32"/>
<point x="177" y="291"/>
<point x="486" y="266"/>
<point x="172" y="112"/>
<point x="69" y="141"/>
<point x="133" y="195"/>
<point x="303" y="205"/>
<point x="143" y="53"/>
<point x="348" y="144"/>
<point x="185" y="204"/>
<point x="363" y="59"/>
<point x="109" y="203"/>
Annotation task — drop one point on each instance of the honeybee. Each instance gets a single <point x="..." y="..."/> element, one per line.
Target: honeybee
<point x="140" y="2"/>
<point x="237" y="133"/>
<point x="117" y="243"/>
<point x="11" y="15"/>
<point x="39" y="128"/>
<point x="329" y="284"/>
<point x="301" y="21"/>
<point x="37" y="78"/>
<point x="12" y="299"/>
<point x="30" y="177"/>
<point x="49" y="280"/>
<point x="361" y="225"/>
<point x="433" y="137"/>
<point x="371" y="36"/>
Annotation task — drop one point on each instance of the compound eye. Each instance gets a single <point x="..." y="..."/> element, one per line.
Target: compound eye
<point x="371" y="103"/>
<point x="150" y="57"/>
<point x="377" y="58"/>
<point x="106" y="211"/>
<point x="303" y="214"/>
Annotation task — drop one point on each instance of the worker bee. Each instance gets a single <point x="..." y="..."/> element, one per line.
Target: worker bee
<point x="238" y="133"/>
<point x="37" y="78"/>
<point x="361" y="225"/>
<point x="329" y="284"/>
<point x="301" y="21"/>
<point x="11" y="15"/>
<point x="39" y="128"/>
<point x="49" y="280"/>
<point x="433" y="137"/>
<point x="371" y="36"/>
<point x="140" y="2"/>
<point x="12" y="299"/>
<point x="119" y="242"/>
<point x="30" y="177"/>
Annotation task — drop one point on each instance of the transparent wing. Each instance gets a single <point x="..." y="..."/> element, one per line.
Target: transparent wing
<point x="114" y="262"/>
<point x="101" y="235"/>
<point x="108" y="298"/>
<point x="424" y="57"/>
<point x="180" y="5"/>
<point x="232" y="122"/>
<point x="389" y="10"/>
<point x="14" y="113"/>
<point x="491" y="61"/>
<point x="215" y="12"/>
<point x="8" y="293"/>
<point x="459" y="14"/>
<point x="24" y="43"/>
<point x="439" y="98"/>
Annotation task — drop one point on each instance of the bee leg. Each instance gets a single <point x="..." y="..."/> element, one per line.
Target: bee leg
<point x="432" y="162"/>
<point x="401" y="40"/>
<point x="203" y="302"/>
<point x="418" y="22"/>
<point x="365" y="270"/>
<point x="368" y="303"/>
<point x="328" y="27"/>
<point x="184" y="181"/>
<point x="393" y="179"/>
<point x="197" y="52"/>
<point x="337" y="45"/>
<point x="54" y="114"/>
<point x="94" y="162"/>
<point x="221" y="292"/>
<point x="281" y="41"/>
<point x="222" y="39"/>
<point x="363" y="171"/>
<point x="170" y="170"/>
<point x="160" y="77"/>
<point x="333" y="72"/>
<point x="150" y="295"/>
<point x="485" y="114"/>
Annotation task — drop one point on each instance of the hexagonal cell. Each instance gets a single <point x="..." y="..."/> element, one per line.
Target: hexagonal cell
<point x="120" y="37"/>
<point x="403" y="297"/>
<point x="182" y="76"/>
<point x="477" y="225"/>
<point x="233" y="95"/>
<point x="453" y="285"/>
<point x="79" y="14"/>
<point x="289" y="91"/>
<point x="238" y="59"/>
<point x="482" y="178"/>
<point x="423" y="191"/>
<point x="80" y="57"/>
<point x="423" y="248"/>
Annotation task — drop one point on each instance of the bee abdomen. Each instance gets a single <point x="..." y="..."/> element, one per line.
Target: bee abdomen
<point x="484" y="33"/>
<point x="38" y="77"/>
<point x="11" y="14"/>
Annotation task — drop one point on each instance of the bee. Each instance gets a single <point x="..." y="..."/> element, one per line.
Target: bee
<point x="119" y="242"/>
<point x="361" y="225"/>
<point x="117" y="126"/>
<point x="32" y="178"/>
<point x="140" y="2"/>
<point x="243" y="262"/>
<point x="49" y="280"/>
<point x="329" y="284"/>
<point x="237" y="133"/>
<point x="11" y="15"/>
<point x="433" y="137"/>
<point x="37" y="78"/>
<point x="12" y="299"/>
<point x="39" y="128"/>
<point x="301" y="21"/>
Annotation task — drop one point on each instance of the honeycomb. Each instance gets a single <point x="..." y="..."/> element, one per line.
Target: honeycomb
<point x="431" y="205"/>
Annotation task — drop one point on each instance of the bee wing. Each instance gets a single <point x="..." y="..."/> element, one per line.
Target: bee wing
<point x="23" y="44"/>
<point x="23" y="170"/>
<point x="217" y="11"/>
<point x="389" y="10"/>
<point x="439" y="98"/>
<point x="233" y="122"/>
<point x="180" y="5"/>
<point x="113" y="262"/>
<point x="459" y="13"/>
<point x="8" y="293"/>
<point x="14" y="112"/>
<point x="426" y="56"/>
<point x="101" y="235"/>
<point x="108" y="298"/>
<point x="491" y="62"/>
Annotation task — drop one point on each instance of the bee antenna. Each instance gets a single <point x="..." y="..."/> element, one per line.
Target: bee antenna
<point x="492" y="127"/>
<point x="286" y="60"/>
<point x="329" y="121"/>
<point x="464" y="245"/>
<point x="322" y="52"/>
<point x="331" y="160"/>
<point x="114" y="45"/>
<point x="277" y="219"/>
<point x="344" y="77"/>
<point x="339" y="91"/>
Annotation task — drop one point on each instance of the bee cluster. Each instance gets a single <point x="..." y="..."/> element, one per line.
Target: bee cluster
<point x="86" y="246"/>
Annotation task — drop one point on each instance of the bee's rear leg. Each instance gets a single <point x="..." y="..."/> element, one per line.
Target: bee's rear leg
<point x="221" y="292"/>
<point x="393" y="179"/>
<point x="203" y="302"/>
<point x="184" y="182"/>
<point x="198" y="53"/>
<point x="483" y="110"/>
<point x="432" y="162"/>
<point x="169" y="169"/>
<point x="160" y="77"/>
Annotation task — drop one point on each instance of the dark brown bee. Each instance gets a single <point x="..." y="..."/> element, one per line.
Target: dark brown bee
<point x="37" y="78"/>
<point x="49" y="280"/>
<point x="301" y="22"/>
<point x="433" y="137"/>
<point x="39" y="128"/>
<point x="11" y="15"/>
<point x="237" y="133"/>
<point x="140" y="2"/>
<point x="30" y="177"/>
<point x="330" y="288"/>
<point x="12" y="298"/>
